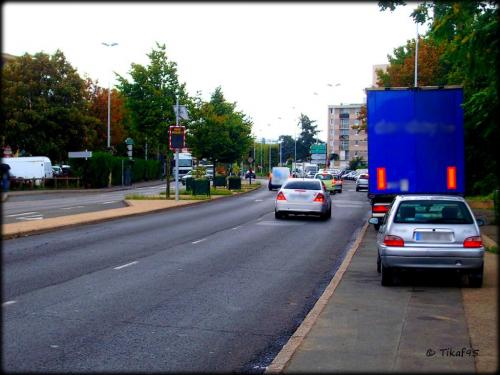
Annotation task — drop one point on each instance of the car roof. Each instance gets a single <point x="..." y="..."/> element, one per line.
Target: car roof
<point x="414" y="197"/>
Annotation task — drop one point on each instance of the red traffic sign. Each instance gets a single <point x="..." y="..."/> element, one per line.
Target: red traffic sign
<point x="176" y="137"/>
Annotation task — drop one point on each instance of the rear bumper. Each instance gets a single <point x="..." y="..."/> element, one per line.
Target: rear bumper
<point x="298" y="208"/>
<point x="432" y="258"/>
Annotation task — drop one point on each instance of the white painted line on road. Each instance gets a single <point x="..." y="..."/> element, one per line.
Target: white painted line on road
<point x="195" y="242"/>
<point x="259" y="200"/>
<point x="125" y="265"/>
<point x="109" y="202"/>
<point x="70" y="208"/>
<point x="25" y="213"/>
<point x="30" y="218"/>
<point x="8" y="303"/>
<point x="239" y="226"/>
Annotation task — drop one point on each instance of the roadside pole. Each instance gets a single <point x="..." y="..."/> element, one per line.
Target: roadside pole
<point x="177" y="153"/>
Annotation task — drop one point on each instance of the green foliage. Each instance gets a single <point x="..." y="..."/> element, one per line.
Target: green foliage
<point x="199" y="172"/>
<point x="357" y="163"/>
<point x="150" y="97"/>
<point x="45" y="110"/>
<point x="467" y="32"/>
<point x="219" y="133"/>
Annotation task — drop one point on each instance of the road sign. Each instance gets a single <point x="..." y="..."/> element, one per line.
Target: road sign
<point x="318" y="148"/>
<point x="80" y="154"/>
<point x="176" y="137"/>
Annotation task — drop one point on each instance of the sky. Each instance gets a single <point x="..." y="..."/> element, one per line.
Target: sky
<point x="274" y="60"/>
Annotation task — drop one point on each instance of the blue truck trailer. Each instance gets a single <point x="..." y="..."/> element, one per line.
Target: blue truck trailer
<point x="415" y="143"/>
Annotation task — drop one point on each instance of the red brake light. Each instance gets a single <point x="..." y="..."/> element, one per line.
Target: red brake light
<point x="280" y="196"/>
<point x="380" y="208"/>
<point x="393" y="241"/>
<point x="319" y="198"/>
<point x="475" y="241"/>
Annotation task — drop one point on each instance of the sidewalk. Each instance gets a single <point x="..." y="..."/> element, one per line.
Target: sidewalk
<point x="416" y="327"/>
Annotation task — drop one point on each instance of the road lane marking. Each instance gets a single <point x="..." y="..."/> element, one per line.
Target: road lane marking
<point x="25" y="213"/>
<point x="239" y="226"/>
<point x="8" y="303"/>
<point x="259" y="200"/>
<point x="195" y="242"/>
<point x="109" y="202"/>
<point x="125" y="265"/>
<point x="70" y="208"/>
<point x="30" y="218"/>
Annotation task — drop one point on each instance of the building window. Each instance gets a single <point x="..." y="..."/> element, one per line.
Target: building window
<point x="344" y="145"/>
<point x="344" y="123"/>
<point x="344" y="131"/>
<point x="356" y="153"/>
<point x="356" y="143"/>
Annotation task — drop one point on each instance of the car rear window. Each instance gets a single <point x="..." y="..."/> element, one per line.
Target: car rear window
<point x="433" y="212"/>
<point x="307" y="185"/>
<point x="365" y="176"/>
<point x="324" y="177"/>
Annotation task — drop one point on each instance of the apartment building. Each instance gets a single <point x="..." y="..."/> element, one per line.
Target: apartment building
<point x="342" y="139"/>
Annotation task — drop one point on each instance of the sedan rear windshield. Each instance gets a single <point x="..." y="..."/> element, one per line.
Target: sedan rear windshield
<point x="324" y="177"/>
<point x="433" y="212"/>
<point x="307" y="185"/>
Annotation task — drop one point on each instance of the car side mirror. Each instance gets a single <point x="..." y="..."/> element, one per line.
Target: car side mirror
<point x="480" y="222"/>
<point x="373" y="220"/>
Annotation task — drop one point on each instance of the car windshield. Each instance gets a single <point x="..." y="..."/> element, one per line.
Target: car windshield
<point x="307" y="185"/>
<point x="324" y="177"/>
<point x="433" y="212"/>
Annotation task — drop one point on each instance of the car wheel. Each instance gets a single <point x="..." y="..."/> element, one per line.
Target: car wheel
<point x="476" y="278"/>
<point x="378" y="263"/>
<point x="357" y="189"/>
<point x="340" y="191"/>
<point x="278" y="215"/>
<point x="376" y="226"/>
<point x="387" y="276"/>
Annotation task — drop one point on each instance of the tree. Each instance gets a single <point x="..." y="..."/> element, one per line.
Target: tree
<point x="467" y="32"/>
<point x="118" y="118"/>
<point x="287" y="147"/>
<point x="219" y="133"/>
<point x="150" y="98"/>
<point x="45" y="108"/>
<point x="307" y="137"/>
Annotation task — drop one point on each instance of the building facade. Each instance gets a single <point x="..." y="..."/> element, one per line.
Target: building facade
<point x="342" y="139"/>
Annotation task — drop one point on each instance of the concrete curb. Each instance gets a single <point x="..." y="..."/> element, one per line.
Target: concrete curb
<point x="279" y="363"/>
<point x="488" y="241"/>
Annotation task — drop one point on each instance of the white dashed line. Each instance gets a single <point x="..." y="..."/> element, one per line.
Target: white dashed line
<point x="109" y="202"/>
<point x="30" y="218"/>
<point x="239" y="226"/>
<point x="25" y="213"/>
<point x="72" y="207"/>
<point x="125" y="265"/>
<point x="8" y="303"/>
<point x="195" y="242"/>
<point x="259" y="200"/>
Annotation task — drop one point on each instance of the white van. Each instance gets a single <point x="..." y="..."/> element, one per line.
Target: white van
<point x="29" y="167"/>
<point x="278" y="177"/>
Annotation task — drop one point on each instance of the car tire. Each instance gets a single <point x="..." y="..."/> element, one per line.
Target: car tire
<point x="278" y="215"/>
<point x="376" y="226"/>
<point x="357" y="189"/>
<point x="387" y="276"/>
<point x="476" y="278"/>
<point x="340" y="191"/>
<point x="378" y="263"/>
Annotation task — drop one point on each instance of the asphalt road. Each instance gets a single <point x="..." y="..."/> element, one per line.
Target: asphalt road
<point x="218" y="286"/>
<point x="41" y="206"/>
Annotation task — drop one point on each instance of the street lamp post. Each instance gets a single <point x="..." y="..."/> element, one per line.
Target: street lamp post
<point x="109" y="99"/>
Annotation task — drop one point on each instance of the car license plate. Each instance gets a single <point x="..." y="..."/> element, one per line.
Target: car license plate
<point x="299" y="197"/>
<point x="428" y="236"/>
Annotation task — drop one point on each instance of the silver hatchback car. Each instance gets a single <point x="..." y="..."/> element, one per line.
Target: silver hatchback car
<point x="430" y="232"/>
<point x="303" y="196"/>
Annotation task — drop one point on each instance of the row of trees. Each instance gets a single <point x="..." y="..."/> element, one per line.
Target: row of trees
<point x="460" y="48"/>
<point x="48" y="109"/>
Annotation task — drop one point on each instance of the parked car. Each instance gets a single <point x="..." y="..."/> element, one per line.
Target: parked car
<point x="303" y="197"/>
<point x="328" y="180"/>
<point x="190" y="174"/>
<point x="350" y="176"/>
<point x="362" y="181"/>
<point x="250" y="174"/>
<point x="430" y="232"/>
<point x="57" y="170"/>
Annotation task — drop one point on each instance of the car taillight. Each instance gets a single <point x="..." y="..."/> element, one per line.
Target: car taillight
<point x="280" y="196"/>
<point x="380" y="208"/>
<point x="319" y="198"/>
<point x="475" y="241"/>
<point x="393" y="241"/>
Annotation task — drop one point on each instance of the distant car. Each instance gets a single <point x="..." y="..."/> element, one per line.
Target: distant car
<point x="310" y="174"/>
<point x="362" y="181"/>
<point x="328" y="180"/>
<point x="337" y="181"/>
<point x="350" y="176"/>
<point x="250" y="174"/>
<point x="66" y="170"/>
<point x="303" y="197"/>
<point x="190" y="174"/>
<point x="57" y="171"/>
<point x="430" y="232"/>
